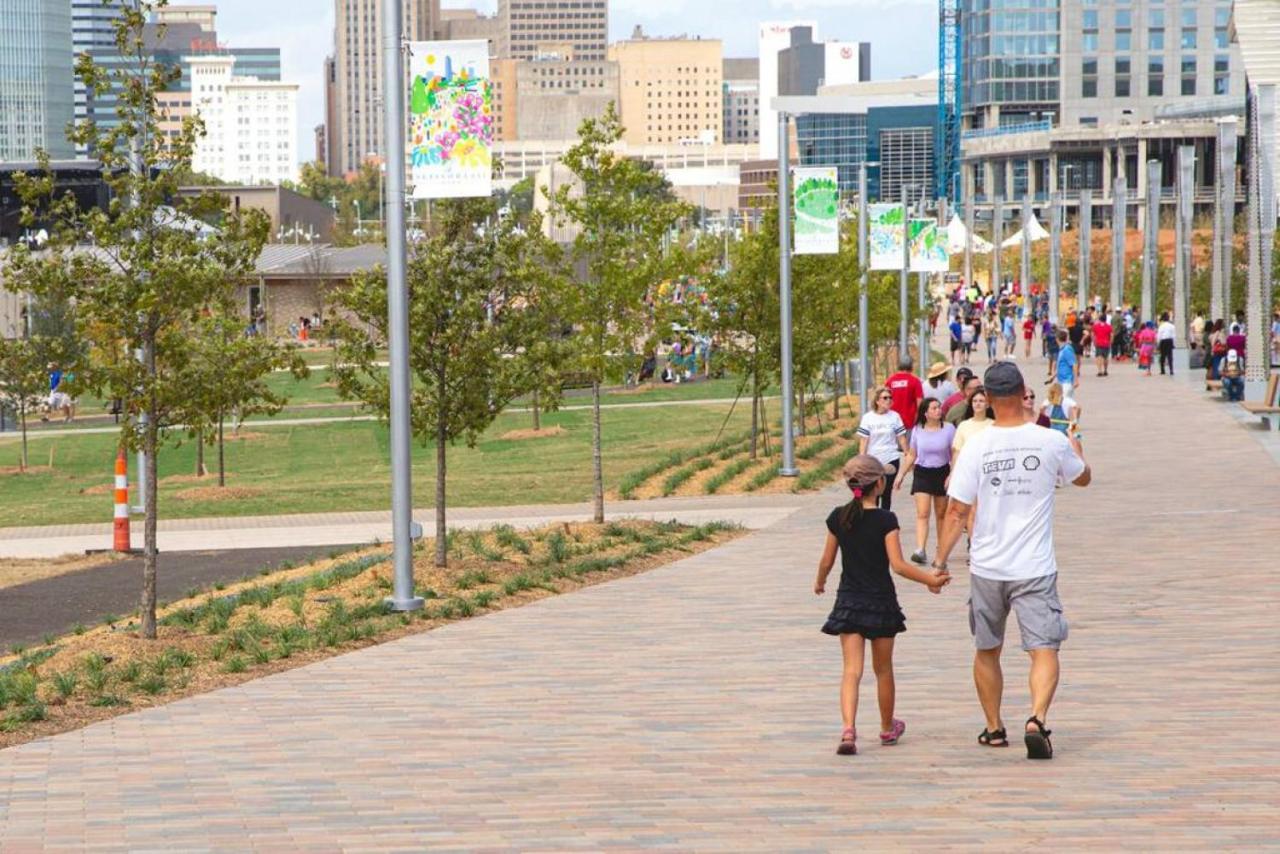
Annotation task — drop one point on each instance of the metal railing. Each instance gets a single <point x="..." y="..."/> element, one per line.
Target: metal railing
<point x="1007" y="130"/>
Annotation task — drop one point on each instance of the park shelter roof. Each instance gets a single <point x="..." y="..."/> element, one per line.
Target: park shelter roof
<point x="293" y="261"/>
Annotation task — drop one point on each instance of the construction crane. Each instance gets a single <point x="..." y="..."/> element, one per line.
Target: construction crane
<point x="947" y="152"/>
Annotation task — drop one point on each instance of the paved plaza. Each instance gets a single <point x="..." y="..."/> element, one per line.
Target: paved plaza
<point x="694" y="707"/>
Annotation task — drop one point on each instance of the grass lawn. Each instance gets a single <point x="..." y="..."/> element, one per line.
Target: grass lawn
<point x="344" y="466"/>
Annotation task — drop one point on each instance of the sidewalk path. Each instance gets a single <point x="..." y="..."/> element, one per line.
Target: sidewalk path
<point x="328" y="529"/>
<point x="694" y="707"/>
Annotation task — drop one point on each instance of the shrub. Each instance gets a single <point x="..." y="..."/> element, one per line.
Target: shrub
<point x="826" y="469"/>
<point x="507" y="536"/>
<point x="152" y="684"/>
<point x="558" y="547"/>
<point x="65" y="684"/>
<point x="108" y="701"/>
<point x="678" y="478"/>
<point x="764" y="477"/>
<point x="812" y="449"/>
<point x="131" y="671"/>
<point x="235" y="664"/>
<point x="721" y="478"/>
<point x="473" y="578"/>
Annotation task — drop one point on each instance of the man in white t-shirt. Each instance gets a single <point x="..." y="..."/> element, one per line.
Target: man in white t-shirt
<point x="1010" y="471"/>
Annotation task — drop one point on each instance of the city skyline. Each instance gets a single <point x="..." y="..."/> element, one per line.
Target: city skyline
<point x="305" y="35"/>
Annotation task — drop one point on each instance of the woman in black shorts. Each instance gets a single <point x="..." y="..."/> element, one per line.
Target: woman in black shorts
<point x="929" y="453"/>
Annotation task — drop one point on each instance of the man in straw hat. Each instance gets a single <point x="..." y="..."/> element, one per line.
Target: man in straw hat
<point x="1010" y="472"/>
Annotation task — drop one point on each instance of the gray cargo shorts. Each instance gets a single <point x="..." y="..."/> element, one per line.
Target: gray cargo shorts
<point x="1034" y="600"/>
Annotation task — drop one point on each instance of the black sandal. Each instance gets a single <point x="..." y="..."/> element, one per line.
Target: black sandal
<point x="994" y="738"/>
<point x="1038" y="745"/>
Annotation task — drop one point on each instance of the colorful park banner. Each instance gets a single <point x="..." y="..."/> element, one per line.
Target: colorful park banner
<point x="928" y="248"/>
<point x="884" y="236"/>
<point x="450" y="143"/>
<point x="817" y="205"/>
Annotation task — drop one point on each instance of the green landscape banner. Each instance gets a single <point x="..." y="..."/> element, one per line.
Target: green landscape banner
<point x="817" y="204"/>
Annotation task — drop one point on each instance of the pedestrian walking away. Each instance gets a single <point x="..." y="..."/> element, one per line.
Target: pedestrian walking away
<point x="1102" y="343"/>
<point x="1068" y="364"/>
<point x="866" y="607"/>
<point x="1008" y="476"/>
<point x="1164" y="340"/>
<point x="929" y="455"/>
<point x="907" y="391"/>
<point x="882" y="434"/>
<point x="1146" y="342"/>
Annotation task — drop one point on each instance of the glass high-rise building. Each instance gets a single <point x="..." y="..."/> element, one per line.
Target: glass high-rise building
<point x="92" y="33"/>
<point x="36" y="87"/>
<point x="1011" y="57"/>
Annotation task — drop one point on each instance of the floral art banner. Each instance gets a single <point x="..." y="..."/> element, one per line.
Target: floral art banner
<point x="817" y="205"/>
<point x="450" y="143"/>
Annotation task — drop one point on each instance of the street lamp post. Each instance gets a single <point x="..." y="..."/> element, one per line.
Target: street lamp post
<point x="864" y="264"/>
<point x="402" y="527"/>
<point x="904" y="330"/>
<point x="788" y="468"/>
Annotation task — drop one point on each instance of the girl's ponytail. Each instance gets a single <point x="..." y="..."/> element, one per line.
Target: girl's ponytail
<point x="851" y="513"/>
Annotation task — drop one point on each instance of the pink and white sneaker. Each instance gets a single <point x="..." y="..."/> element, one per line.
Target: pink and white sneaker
<point x="894" y="733"/>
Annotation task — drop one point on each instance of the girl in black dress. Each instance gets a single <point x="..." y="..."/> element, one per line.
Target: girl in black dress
<point x="866" y="603"/>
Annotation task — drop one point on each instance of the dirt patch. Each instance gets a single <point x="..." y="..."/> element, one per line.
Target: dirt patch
<point x="544" y="433"/>
<point x="181" y="479"/>
<point x="333" y="607"/>
<point x="15" y="571"/>
<point x="245" y="436"/>
<point x="217" y="493"/>
<point x="8" y="471"/>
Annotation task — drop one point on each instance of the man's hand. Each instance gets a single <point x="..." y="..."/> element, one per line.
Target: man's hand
<point x="941" y="578"/>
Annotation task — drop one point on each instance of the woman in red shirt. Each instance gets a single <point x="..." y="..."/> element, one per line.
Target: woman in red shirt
<point x="1102" y="343"/>
<point x="1028" y="332"/>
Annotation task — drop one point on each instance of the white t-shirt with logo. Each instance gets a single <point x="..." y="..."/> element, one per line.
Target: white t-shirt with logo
<point x="881" y="433"/>
<point x="1010" y="473"/>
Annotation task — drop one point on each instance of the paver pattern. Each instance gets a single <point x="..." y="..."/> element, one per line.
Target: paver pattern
<point x="694" y="707"/>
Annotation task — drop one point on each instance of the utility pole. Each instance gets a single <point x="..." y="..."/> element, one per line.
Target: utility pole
<point x="1119" y="214"/>
<point x="393" y="131"/>
<point x="997" y="237"/>
<point x="904" y="329"/>
<point x="788" y="468"/>
<point x="1182" y="255"/>
<point x="1086" y="248"/>
<point x="1055" y="254"/>
<point x="1150" y="244"/>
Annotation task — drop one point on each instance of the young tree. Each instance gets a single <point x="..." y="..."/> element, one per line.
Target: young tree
<point x="469" y="283"/>
<point x="24" y="379"/>
<point x="228" y="374"/>
<point x="152" y="267"/>
<point x="622" y="209"/>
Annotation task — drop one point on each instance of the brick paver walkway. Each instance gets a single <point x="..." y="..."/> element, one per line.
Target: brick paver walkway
<point x="694" y="707"/>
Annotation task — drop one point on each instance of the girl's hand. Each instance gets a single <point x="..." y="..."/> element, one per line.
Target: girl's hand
<point x="941" y="578"/>
<point x="820" y="586"/>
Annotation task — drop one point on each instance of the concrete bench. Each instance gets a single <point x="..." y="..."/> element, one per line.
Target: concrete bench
<point x="1268" y="409"/>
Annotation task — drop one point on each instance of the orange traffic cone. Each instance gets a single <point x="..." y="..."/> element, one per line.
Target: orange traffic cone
<point x="121" y="541"/>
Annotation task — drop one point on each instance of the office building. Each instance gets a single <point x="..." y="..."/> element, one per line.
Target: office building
<point x="250" y="124"/>
<point x="741" y="100"/>
<point x="37" y="99"/>
<point x="555" y="93"/>
<point x="358" y="69"/>
<point x="92" y="33"/>
<point x="891" y="125"/>
<point x="525" y="27"/>
<point x="1074" y="94"/>
<point x="671" y="89"/>
<point x="470" y="25"/>
<point x="805" y="64"/>
<point x="331" y="123"/>
<point x="774" y="37"/>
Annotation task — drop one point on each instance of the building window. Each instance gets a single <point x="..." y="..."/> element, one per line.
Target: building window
<point x="1155" y="76"/>
<point x="1155" y="39"/>
<point x="1089" y="42"/>
<point x="1188" y="38"/>
<point x="1124" y="40"/>
<point x="1221" y="75"/>
<point x="1089" y="77"/>
<point x="1122" y="76"/>
<point x="1188" y="75"/>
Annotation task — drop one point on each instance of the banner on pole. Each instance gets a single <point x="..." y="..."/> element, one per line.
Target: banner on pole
<point x="884" y="236"/>
<point x="450" y="142"/>
<point x="928" y="248"/>
<point x="817" y="205"/>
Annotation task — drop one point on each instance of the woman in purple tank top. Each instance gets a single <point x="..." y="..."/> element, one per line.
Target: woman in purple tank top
<point x="930" y="455"/>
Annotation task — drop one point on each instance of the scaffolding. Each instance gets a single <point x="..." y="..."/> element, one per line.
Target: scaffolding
<point x="947" y="170"/>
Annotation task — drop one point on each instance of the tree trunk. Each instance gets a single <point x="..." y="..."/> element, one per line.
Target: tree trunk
<point x="597" y="461"/>
<point x="149" y="447"/>
<point x="800" y="395"/>
<point x="222" y="456"/>
<point x="442" y="550"/>
<point x="22" y="418"/>
<point x="537" y="415"/>
<point x="836" y="382"/>
<point x="201" y="468"/>
<point x="755" y="421"/>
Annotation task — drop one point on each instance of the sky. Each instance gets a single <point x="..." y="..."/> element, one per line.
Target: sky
<point x="903" y="33"/>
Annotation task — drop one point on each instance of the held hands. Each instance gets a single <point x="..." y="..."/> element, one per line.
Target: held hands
<point x="941" y="578"/>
